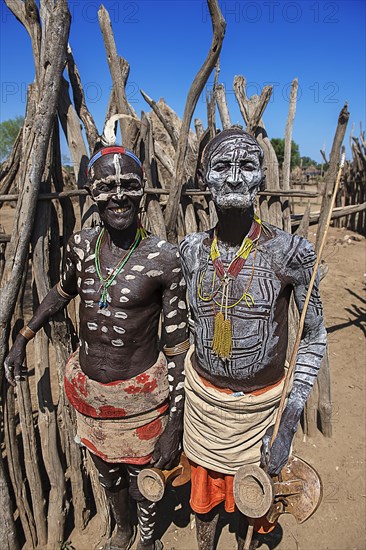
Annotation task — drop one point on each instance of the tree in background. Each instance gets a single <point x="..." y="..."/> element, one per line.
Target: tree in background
<point x="279" y="147"/>
<point x="8" y="132"/>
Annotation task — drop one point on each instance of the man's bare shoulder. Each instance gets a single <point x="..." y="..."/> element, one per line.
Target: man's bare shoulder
<point x="191" y="248"/>
<point x="288" y="251"/>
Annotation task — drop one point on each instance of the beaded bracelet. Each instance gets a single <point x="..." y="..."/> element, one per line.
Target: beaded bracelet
<point x="27" y="332"/>
<point x="177" y="349"/>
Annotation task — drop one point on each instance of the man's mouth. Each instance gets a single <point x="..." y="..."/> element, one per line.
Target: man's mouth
<point x="120" y="209"/>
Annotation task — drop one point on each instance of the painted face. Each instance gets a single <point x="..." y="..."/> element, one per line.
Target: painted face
<point x="117" y="187"/>
<point x="234" y="173"/>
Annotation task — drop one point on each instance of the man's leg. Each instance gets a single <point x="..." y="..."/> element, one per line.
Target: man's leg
<point x="206" y="525"/>
<point x="114" y="479"/>
<point x="146" y="513"/>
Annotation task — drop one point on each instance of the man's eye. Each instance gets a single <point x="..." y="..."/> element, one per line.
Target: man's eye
<point x="220" y="167"/>
<point x="247" y="167"/>
<point x="102" y="188"/>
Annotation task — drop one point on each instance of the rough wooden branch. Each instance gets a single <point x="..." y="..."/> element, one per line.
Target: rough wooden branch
<point x="324" y="156"/>
<point x="172" y="132"/>
<point x="211" y="112"/>
<point x="129" y="129"/>
<point x="222" y="106"/>
<point x="148" y="190"/>
<point x="260" y="106"/>
<point x="287" y="153"/>
<point x="79" y="101"/>
<point x="199" y="128"/>
<point x="219" y="26"/>
<point x="331" y="175"/>
<point x="33" y="163"/>
<point x="241" y="97"/>
<point x="9" y="169"/>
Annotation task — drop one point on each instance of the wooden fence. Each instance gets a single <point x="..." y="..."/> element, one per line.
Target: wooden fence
<point x="45" y="478"/>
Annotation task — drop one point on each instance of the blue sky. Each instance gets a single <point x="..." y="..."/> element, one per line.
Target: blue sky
<point x="322" y="43"/>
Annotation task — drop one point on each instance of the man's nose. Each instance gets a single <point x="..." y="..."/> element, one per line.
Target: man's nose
<point x="233" y="177"/>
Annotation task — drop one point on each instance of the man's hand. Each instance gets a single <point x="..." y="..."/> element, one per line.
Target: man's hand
<point x="14" y="362"/>
<point x="168" y="447"/>
<point x="274" y="458"/>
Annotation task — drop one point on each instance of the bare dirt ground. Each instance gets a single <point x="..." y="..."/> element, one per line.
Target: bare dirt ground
<point x="339" y="523"/>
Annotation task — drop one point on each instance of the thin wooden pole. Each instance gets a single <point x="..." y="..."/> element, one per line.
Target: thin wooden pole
<point x="306" y="303"/>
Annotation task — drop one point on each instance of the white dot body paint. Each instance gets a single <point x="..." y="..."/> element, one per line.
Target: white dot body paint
<point x="87" y="348"/>
<point x="172" y="314"/>
<point x="104" y="312"/>
<point x="130" y="277"/>
<point x="160" y="244"/>
<point x="153" y="255"/>
<point x="182" y="325"/>
<point x="104" y="329"/>
<point x="90" y="269"/>
<point x="87" y="246"/>
<point x="173" y="409"/>
<point x="170" y="378"/>
<point x="173" y="286"/>
<point x="173" y="300"/>
<point x="171" y="365"/>
<point x="88" y="290"/>
<point x="68" y="248"/>
<point x="182" y="282"/>
<point x="64" y="276"/>
<point x="90" y="258"/>
<point x="178" y="398"/>
<point x="92" y="326"/>
<point x="120" y="315"/>
<point x="124" y="299"/>
<point x="78" y="266"/>
<point x="182" y="305"/>
<point x="176" y="270"/>
<point x="138" y="268"/>
<point x="78" y="282"/>
<point x="89" y="281"/>
<point x="171" y="388"/>
<point x="180" y="386"/>
<point x="79" y="252"/>
<point x="77" y="238"/>
<point x="89" y="303"/>
<point x="154" y="273"/>
<point x="171" y="328"/>
<point x="125" y="291"/>
<point x="117" y="343"/>
<point x="119" y="330"/>
<point x="80" y="343"/>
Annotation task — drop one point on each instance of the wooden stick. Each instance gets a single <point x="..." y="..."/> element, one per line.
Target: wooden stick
<point x="303" y="313"/>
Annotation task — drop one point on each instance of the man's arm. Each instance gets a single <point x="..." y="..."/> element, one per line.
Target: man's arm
<point x="56" y="299"/>
<point x="310" y="353"/>
<point x="175" y="345"/>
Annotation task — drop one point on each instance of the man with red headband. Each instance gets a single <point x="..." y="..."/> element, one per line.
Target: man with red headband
<point x="240" y="278"/>
<point x="125" y="385"/>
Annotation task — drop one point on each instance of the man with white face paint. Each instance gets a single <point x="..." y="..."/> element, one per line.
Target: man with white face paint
<point x="240" y="276"/>
<point x="125" y="385"/>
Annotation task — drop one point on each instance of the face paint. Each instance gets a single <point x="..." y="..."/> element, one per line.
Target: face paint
<point x="234" y="173"/>
<point x="117" y="186"/>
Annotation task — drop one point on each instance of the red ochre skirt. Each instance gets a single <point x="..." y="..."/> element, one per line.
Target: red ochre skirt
<point x="119" y="421"/>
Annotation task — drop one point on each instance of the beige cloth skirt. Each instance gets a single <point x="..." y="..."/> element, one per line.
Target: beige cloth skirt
<point x="223" y="432"/>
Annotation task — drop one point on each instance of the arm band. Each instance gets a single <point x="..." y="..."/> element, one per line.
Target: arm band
<point x="177" y="349"/>
<point x="27" y="332"/>
<point x="64" y="294"/>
